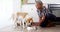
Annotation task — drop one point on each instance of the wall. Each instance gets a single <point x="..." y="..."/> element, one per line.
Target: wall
<point x="16" y="5"/>
<point x="31" y="9"/>
<point x="51" y="1"/>
<point x="6" y="10"/>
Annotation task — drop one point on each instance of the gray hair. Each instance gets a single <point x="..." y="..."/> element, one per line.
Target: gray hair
<point x="39" y="1"/>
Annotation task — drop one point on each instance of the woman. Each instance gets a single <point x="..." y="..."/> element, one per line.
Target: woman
<point x="43" y="14"/>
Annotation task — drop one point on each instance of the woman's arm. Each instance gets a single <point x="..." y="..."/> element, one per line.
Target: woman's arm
<point x="42" y="19"/>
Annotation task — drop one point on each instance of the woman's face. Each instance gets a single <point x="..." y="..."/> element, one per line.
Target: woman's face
<point x="39" y="6"/>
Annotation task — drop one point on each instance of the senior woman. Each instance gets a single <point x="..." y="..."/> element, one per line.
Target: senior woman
<point x="43" y="14"/>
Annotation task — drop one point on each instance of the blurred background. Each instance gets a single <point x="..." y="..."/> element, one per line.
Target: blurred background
<point x="8" y="7"/>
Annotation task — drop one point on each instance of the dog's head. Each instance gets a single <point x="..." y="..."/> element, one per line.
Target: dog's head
<point x="29" y="21"/>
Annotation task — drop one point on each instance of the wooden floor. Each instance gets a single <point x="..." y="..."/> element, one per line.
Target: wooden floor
<point x="13" y="29"/>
